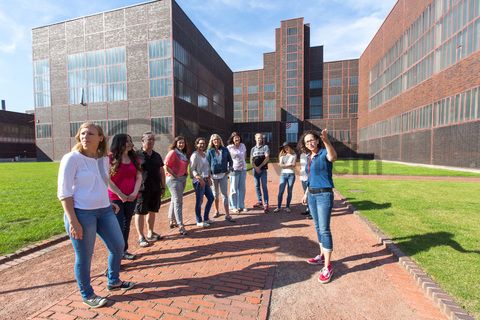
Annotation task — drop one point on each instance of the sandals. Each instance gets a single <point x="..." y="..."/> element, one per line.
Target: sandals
<point x="173" y="224"/>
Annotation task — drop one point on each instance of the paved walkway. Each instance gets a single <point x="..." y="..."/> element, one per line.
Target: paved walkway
<point x="253" y="269"/>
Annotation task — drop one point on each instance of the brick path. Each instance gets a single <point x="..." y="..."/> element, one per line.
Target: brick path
<point x="253" y="269"/>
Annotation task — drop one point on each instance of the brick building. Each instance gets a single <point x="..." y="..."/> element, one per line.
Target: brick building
<point x="296" y="91"/>
<point x="135" y="69"/>
<point x="17" y="135"/>
<point x="419" y="89"/>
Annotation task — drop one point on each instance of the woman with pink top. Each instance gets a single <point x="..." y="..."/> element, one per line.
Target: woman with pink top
<point x="125" y="181"/>
<point x="176" y="164"/>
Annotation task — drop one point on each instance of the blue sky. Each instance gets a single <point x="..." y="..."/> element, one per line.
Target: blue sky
<point x="240" y="30"/>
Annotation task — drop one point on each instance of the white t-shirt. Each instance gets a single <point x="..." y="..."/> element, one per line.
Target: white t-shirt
<point x="79" y="177"/>
<point x="288" y="159"/>
<point x="238" y="156"/>
<point x="303" y="167"/>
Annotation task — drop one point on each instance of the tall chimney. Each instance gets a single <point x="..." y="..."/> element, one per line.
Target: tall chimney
<point x="4" y="107"/>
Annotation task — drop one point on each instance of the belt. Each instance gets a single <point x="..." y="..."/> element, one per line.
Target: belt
<point x="319" y="190"/>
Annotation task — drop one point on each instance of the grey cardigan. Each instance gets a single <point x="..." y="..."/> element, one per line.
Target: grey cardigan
<point x="197" y="166"/>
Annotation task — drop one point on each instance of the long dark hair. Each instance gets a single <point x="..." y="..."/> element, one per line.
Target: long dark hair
<point x="233" y="135"/>
<point x="173" y="145"/>
<point x="117" y="147"/>
<point x="301" y="143"/>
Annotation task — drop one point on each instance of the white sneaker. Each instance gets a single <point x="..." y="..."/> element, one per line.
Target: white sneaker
<point x="276" y="210"/>
<point x="202" y="224"/>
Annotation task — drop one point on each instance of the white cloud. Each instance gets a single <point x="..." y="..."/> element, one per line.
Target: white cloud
<point x="345" y="39"/>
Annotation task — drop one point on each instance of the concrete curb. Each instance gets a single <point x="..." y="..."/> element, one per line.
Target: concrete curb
<point x="39" y="248"/>
<point x="445" y="302"/>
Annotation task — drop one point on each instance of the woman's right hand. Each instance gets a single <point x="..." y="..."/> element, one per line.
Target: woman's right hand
<point x="202" y="182"/>
<point x="76" y="230"/>
<point x="304" y="199"/>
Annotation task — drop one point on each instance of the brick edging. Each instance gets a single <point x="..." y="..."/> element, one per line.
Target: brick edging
<point x="445" y="302"/>
<point x="6" y="261"/>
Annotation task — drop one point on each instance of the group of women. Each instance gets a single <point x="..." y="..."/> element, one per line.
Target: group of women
<point x="100" y="192"/>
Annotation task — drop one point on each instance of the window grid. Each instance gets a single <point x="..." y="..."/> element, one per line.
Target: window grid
<point x="41" y="77"/>
<point x="161" y="125"/>
<point x="440" y="37"/>
<point x="160" y="71"/>
<point x="460" y="108"/>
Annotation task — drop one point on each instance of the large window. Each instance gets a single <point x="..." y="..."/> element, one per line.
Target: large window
<point x="252" y="89"/>
<point x="41" y="75"/>
<point x="316" y="108"/>
<point x="269" y="110"/>
<point x="44" y="131"/>
<point x="162" y="125"/>
<point x="237" y="90"/>
<point x="116" y="126"/>
<point x="97" y="76"/>
<point x="159" y="61"/>
<point x="74" y="126"/>
<point x="237" y="112"/>
<point x="252" y="111"/>
<point x="353" y="103"/>
<point x="270" y="87"/>
<point x="316" y="84"/>
<point x="335" y="82"/>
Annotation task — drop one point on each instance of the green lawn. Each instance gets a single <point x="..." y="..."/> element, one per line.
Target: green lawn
<point x="373" y="167"/>
<point x="30" y="210"/>
<point x="436" y="223"/>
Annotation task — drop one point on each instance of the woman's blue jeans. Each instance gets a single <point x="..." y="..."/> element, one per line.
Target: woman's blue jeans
<point x="286" y="179"/>
<point x="199" y="194"/>
<point x="104" y="223"/>
<point x="320" y="205"/>
<point x="237" y="189"/>
<point x="260" y="179"/>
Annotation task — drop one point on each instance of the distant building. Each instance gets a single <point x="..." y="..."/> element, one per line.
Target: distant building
<point x="419" y="95"/>
<point x="141" y="68"/>
<point x="17" y="135"/>
<point x="296" y="91"/>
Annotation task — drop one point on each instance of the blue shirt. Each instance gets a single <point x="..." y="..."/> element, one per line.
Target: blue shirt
<point x="319" y="170"/>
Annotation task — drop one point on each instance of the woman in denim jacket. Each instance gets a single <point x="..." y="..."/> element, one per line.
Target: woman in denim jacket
<point x="221" y="164"/>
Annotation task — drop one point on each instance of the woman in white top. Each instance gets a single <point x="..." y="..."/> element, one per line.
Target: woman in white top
<point x="238" y="152"/>
<point x="82" y="190"/>
<point x="286" y="161"/>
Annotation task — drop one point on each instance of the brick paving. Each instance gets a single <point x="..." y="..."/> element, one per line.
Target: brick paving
<point x="253" y="269"/>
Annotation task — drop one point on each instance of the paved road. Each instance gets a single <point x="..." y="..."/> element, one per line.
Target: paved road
<point x="253" y="269"/>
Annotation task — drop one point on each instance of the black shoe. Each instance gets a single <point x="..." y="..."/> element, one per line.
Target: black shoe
<point x="309" y="217"/>
<point x="305" y="213"/>
<point x="229" y="219"/>
<point x="128" y="256"/>
<point x="123" y="285"/>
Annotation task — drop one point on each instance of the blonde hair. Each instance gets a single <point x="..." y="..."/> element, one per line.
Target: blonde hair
<point x="212" y="137"/>
<point x="102" y="146"/>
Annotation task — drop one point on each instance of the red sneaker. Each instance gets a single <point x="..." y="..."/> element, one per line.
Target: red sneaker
<point x="265" y="209"/>
<point x="318" y="260"/>
<point x="326" y="274"/>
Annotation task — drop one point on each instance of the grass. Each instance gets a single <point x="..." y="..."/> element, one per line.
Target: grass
<point x="436" y="223"/>
<point x="30" y="210"/>
<point x="373" y="167"/>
